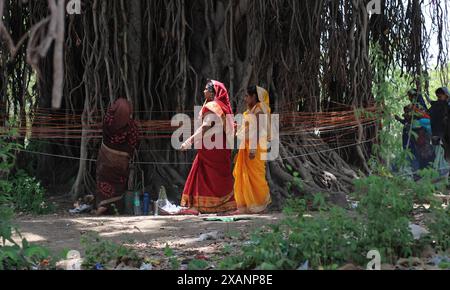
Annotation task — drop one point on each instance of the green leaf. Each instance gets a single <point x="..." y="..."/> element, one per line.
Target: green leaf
<point x="25" y="244"/>
<point x="168" y="252"/>
<point x="198" y="265"/>
<point x="37" y="253"/>
<point x="267" y="267"/>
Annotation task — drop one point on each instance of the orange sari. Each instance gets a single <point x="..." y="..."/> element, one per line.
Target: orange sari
<point x="251" y="189"/>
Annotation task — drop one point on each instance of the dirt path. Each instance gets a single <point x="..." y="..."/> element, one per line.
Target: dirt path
<point x="149" y="235"/>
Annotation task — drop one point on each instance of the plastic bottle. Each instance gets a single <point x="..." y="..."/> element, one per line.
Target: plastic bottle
<point x="162" y="200"/>
<point x="155" y="208"/>
<point x="146" y="202"/>
<point x="137" y="204"/>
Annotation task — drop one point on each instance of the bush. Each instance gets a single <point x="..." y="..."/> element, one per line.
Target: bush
<point x="6" y="215"/>
<point x="325" y="241"/>
<point x="13" y="256"/>
<point x="387" y="205"/>
<point x="27" y="195"/>
<point x="24" y="194"/>
<point x="103" y="252"/>
<point x="21" y="191"/>
<point x="440" y="229"/>
<point x="386" y="208"/>
<point x="328" y="239"/>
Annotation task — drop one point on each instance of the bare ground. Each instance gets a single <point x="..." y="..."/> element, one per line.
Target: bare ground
<point x="149" y="235"/>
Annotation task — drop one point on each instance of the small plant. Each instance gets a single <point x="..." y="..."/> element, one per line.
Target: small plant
<point x="326" y="240"/>
<point x="7" y="148"/>
<point x="21" y="191"/>
<point x="6" y="227"/>
<point x="15" y="257"/>
<point x="173" y="260"/>
<point x="386" y="205"/>
<point x="100" y="251"/>
<point x="332" y="237"/>
<point x="25" y="257"/>
<point x="198" y="265"/>
<point x="27" y="195"/>
<point x="440" y="228"/>
<point x="295" y="207"/>
<point x="444" y="266"/>
<point x="296" y="183"/>
<point x="226" y="250"/>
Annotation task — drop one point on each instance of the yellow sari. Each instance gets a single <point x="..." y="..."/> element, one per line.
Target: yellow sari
<point x="251" y="189"/>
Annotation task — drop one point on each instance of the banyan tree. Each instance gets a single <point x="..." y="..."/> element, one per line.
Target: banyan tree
<point x="60" y="70"/>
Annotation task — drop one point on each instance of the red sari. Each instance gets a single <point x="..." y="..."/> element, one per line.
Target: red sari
<point x="209" y="186"/>
<point x="120" y="137"/>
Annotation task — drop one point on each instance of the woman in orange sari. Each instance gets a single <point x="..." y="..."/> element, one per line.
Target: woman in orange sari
<point x="251" y="189"/>
<point x="209" y="186"/>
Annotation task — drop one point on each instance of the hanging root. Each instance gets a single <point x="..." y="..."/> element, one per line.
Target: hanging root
<point x="318" y="168"/>
<point x="312" y="56"/>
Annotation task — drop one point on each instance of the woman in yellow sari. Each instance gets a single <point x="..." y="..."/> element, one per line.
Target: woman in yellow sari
<point x="251" y="189"/>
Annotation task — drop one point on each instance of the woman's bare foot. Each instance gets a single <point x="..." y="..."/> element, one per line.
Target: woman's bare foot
<point x="190" y="211"/>
<point x="101" y="211"/>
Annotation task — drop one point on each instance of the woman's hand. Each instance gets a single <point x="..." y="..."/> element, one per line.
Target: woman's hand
<point x="185" y="146"/>
<point x="252" y="154"/>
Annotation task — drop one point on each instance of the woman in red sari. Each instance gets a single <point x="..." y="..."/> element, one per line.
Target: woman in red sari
<point x="120" y="137"/>
<point x="209" y="186"/>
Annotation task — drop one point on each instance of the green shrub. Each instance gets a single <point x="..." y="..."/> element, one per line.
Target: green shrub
<point x="6" y="228"/>
<point x="439" y="227"/>
<point x="325" y="240"/>
<point x="21" y="191"/>
<point x="14" y="256"/>
<point x="7" y="156"/>
<point x="100" y="251"/>
<point x="27" y="195"/>
<point x="386" y="208"/>
<point x="173" y="260"/>
<point x="328" y="239"/>
<point x="24" y="257"/>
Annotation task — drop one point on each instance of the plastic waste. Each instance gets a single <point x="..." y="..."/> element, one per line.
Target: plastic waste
<point x="81" y="209"/>
<point x="418" y="231"/>
<point x="209" y="236"/>
<point x="146" y="267"/>
<point x="137" y="204"/>
<point x="99" y="266"/>
<point x="437" y="260"/>
<point x="163" y="205"/>
<point x="304" y="267"/>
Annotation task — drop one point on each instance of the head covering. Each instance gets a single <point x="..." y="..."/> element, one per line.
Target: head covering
<point x="221" y="106"/>
<point x="222" y="96"/>
<point x="120" y="132"/>
<point x="264" y="99"/>
<point x="443" y="91"/>
<point x="118" y="115"/>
